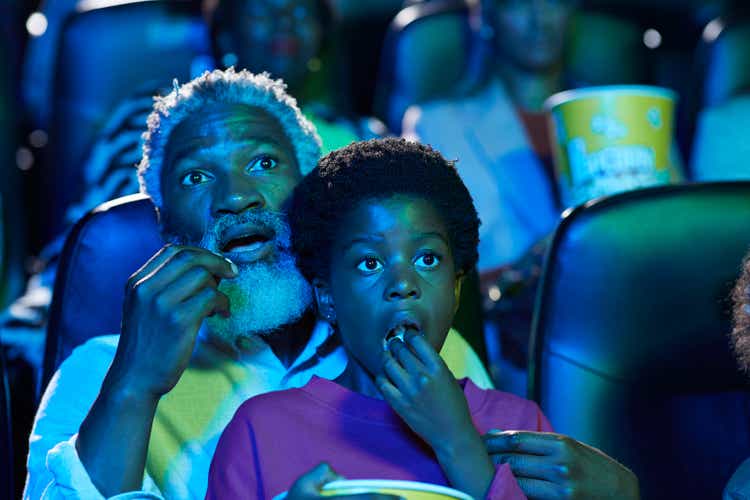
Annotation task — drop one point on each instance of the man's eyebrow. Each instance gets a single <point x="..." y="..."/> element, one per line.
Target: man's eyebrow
<point x="195" y="147"/>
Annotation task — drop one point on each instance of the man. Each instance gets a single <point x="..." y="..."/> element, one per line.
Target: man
<point x="143" y="414"/>
<point x="221" y="156"/>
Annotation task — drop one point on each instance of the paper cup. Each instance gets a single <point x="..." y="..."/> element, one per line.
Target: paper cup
<point x="611" y="139"/>
<point x="411" y="490"/>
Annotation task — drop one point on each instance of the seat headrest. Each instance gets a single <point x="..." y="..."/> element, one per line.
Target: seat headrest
<point x="429" y="51"/>
<point x="645" y="276"/>
<point x="724" y="54"/>
<point x="101" y="252"/>
<point x="105" y="55"/>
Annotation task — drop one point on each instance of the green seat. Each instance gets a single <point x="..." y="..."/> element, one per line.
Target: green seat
<point x="629" y="349"/>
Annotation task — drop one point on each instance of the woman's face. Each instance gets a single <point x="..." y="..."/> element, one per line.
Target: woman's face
<point x="278" y="36"/>
<point x="531" y="33"/>
<point x="392" y="271"/>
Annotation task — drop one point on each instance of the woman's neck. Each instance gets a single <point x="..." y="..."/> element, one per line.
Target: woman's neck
<point x="357" y="379"/>
<point x="529" y="89"/>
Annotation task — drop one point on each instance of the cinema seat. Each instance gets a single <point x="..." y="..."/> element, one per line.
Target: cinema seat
<point x="107" y="51"/>
<point x="629" y="349"/>
<point x="723" y="55"/>
<point x="430" y="50"/>
<point x="6" y="435"/>
<point x="721" y="103"/>
<point x="101" y="252"/>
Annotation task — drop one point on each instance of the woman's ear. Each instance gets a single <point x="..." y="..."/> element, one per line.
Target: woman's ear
<point x="324" y="301"/>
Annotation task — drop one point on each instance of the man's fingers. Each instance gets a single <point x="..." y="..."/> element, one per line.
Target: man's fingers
<point x="210" y="301"/>
<point x="166" y="252"/>
<point x="535" y="443"/>
<point x="533" y="466"/>
<point x="189" y="257"/>
<point x="537" y="489"/>
<point x="185" y="286"/>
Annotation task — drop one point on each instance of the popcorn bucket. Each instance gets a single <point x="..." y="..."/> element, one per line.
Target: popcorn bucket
<point x="612" y="139"/>
<point x="411" y="490"/>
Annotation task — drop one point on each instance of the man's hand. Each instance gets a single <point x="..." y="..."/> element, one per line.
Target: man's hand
<point x="419" y="387"/>
<point x="308" y="486"/>
<point x="553" y="466"/>
<point x="165" y="303"/>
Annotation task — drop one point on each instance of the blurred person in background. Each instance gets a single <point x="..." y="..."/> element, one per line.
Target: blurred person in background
<point x="498" y="130"/>
<point x="289" y="39"/>
<point x="499" y="134"/>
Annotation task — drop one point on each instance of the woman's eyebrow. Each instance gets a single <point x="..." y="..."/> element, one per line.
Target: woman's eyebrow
<point x="363" y="239"/>
<point x="431" y="234"/>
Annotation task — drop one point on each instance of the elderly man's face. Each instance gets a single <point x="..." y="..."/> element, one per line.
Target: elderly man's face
<point x="228" y="172"/>
<point x="531" y="33"/>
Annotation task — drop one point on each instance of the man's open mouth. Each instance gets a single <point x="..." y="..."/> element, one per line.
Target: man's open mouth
<point x="399" y="330"/>
<point x="247" y="244"/>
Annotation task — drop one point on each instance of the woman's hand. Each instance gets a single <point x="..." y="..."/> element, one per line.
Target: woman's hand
<point x="419" y="387"/>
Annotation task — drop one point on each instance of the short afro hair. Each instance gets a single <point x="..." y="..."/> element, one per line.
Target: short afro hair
<point x="740" y="335"/>
<point x="226" y="87"/>
<point x="378" y="169"/>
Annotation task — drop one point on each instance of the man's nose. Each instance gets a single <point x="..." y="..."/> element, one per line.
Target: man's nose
<point x="403" y="284"/>
<point x="238" y="193"/>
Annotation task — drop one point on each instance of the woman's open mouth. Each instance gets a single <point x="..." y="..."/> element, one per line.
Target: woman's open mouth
<point x="399" y="330"/>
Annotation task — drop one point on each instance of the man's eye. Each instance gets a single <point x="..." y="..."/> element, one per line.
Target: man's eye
<point x="262" y="162"/>
<point x="427" y="261"/>
<point x="369" y="265"/>
<point x="194" y="178"/>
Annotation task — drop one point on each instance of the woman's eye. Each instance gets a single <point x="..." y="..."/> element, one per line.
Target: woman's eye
<point x="194" y="178"/>
<point x="262" y="162"/>
<point x="427" y="261"/>
<point x="369" y="265"/>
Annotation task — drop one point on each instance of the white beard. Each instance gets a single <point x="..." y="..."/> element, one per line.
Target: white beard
<point x="267" y="294"/>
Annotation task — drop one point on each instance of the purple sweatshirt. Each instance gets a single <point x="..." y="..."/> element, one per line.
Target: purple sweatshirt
<point x="276" y="437"/>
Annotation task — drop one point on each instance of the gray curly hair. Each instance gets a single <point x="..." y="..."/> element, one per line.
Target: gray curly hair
<point x="223" y="86"/>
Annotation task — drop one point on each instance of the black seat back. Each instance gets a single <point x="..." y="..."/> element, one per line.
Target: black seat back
<point x="105" y="55"/>
<point x="6" y="434"/>
<point x="629" y="345"/>
<point x="101" y="252"/>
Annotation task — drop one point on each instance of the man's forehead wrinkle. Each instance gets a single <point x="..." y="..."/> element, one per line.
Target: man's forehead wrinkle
<point x="225" y="129"/>
<point x="211" y="146"/>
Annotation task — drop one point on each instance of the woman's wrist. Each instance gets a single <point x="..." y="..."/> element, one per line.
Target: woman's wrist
<point x="466" y="463"/>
